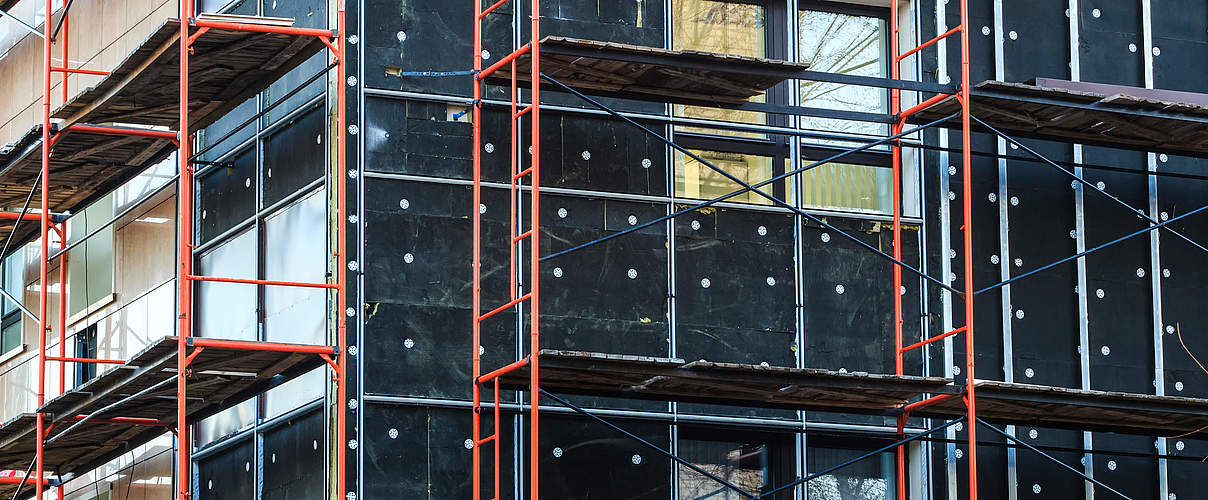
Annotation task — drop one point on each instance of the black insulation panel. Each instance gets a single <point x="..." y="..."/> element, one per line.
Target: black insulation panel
<point x="418" y="282"/>
<point x="734" y="287"/>
<point x="418" y="452"/>
<point x="583" y="459"/>
<point x="1121" y="324"/>
<point x="1180" y="31"/>
<point x="227" y="194"/>
<point x="1184" y="285"/>
<point x="608" y="297"/>
<point x="229" y="475"/>
<point x="1040" y="210"/>
<point x="1110" y="42"/>
<point x="292" y="454"/>
<point x="420" y="35"/>
<point x="1037" y="40"/>
<point x="293" y="157"/>
<point x="987" y="306"/>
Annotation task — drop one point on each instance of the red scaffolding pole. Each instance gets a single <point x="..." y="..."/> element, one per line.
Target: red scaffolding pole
<point x="966" y="233"/>
<point x="335" y="40"/>
<point x="518" y="237"/>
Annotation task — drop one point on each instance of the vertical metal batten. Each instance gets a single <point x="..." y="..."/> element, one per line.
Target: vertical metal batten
<point x="1004" y="250"/>
<point x="1084" y="343"/>
<point x="945" y="213"/>
<point x="802" y="439"/>
<point x="1155" y="258"/>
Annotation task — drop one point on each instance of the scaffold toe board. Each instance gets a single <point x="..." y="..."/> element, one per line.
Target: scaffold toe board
<point x="652" y="73"/>
<point x="702" y="381"/>
<point x="144" y="388"/>
<point x="226" y="68"/>
<point x="1130" y="118"/>
<point x="1058" y="407"/>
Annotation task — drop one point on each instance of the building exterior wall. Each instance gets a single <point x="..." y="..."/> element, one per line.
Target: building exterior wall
<point x="100" y="35"/>
<point x="745" y="282"/>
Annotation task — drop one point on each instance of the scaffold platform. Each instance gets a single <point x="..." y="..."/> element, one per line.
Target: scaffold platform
<point x="133" y="403"/>
<point x="644" y="377"/>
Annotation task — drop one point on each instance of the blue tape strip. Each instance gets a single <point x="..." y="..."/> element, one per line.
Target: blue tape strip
<point x="437" y="73"/>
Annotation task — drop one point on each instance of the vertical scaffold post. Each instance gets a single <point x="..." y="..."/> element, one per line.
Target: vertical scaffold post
<point x="476" y="257"/>
<point x="967" y="288"/>
<point x="184" y="201"/>
<point x="341" y="274"/>
<point x="43" y="264"/>
<point x="534" y="245"/>
<point x="895" y="108"/>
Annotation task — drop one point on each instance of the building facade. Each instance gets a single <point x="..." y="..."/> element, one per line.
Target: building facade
<point x="743" y="281"/>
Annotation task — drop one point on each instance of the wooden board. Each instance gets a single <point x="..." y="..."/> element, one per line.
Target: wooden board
<point x="666" y="379"/>
<point x="1120" y="120"/>
<point x="724" y="383"/>
<point x="227" y="67"/>
<point x="221" y="378"/>
<point x="652" y="73"/>
<point x="1059" y="407"/>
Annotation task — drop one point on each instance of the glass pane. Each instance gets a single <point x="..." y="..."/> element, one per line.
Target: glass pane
<point x="13" y="277"/>
<point x="228" y="195"/>
<point x="90" y="274"/>
<point x="848" y="187"/>
<point x="295" y="393"/>
<point x="868" y="479"/>
<point x="295" y="251"/>
<point x="847" y="44"/>
<point x="746" y="465"/>
<point x="228" y="310"/>
<point x="694" y="179"/>
<point x="145" y="183"/>
<point x="294" y="156"/>
<point x="10" y="338"/>
<point x="726" y="28"/>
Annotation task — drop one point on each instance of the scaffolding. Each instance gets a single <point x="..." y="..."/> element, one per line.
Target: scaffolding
<point x="581" y="67"/>
<point x="141" y="113"/>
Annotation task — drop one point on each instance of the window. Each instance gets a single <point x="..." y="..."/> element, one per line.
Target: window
<point x="85" y="347"/>
<point x="870" y="479"/>
<point x="90" y="264"/>
<point x="848" y="39"/>
<point x="755" y="462"/>
<point x="694" y="179"/>
<point x="846" y="186"/>
<point x="13" y="270"/>
<point x="726" y="28"/>
<point x="854" y="44"/>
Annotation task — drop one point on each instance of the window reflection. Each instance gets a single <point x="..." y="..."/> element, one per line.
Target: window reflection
<point x="725" y="28"/>
<point x="846" y="44"/>
<point x="694" y="179"/>
<point x="842" y="186"/>
<point x="296" y="314"/>
<point x="868" y="479"/>
<point x="228" y="310"/>
<point x="757" y="463"/>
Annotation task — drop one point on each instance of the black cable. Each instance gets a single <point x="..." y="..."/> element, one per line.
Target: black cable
<point x="24" y="210"/>
<point x="1050" y="457"/>
<point x="653" y="446"/>
<point x="1089" y="251"/>
<point x="55" y="34"/>
<point x="745" y="184"/>
<point x="1043" y="159"/>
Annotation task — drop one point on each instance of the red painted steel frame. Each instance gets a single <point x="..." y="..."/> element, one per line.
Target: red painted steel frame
<point x="517" y="236"/>
<point x="334" y="39"/>
<point x="967" y="234"/>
